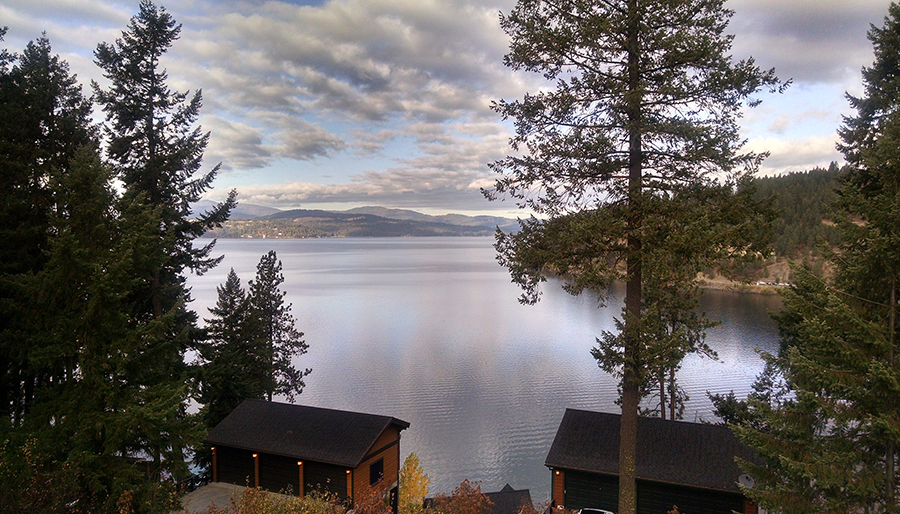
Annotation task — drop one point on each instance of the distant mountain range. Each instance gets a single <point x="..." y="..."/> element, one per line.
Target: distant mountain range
<point x="243" y="211"/>
<point x="255" y="221"/>
<point x="490" y="222"/>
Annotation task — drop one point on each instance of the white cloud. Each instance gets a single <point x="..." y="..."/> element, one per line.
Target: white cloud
<point x="390" y="99"/>
<point x="788" y="155"/>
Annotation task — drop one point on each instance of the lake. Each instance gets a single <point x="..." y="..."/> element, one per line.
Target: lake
<point x="429" y="330"/>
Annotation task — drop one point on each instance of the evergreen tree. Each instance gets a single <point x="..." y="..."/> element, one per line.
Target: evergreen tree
<point x="829" y="425"/>
<point x="232" y="368"/>
<point x="93" y="417"/>
<point x="281" y="341"/>
<point x="44" y="119"/>
<point x="638" y="133"/>
<point x="157" y="149"/>
<point x="157" y="152"/>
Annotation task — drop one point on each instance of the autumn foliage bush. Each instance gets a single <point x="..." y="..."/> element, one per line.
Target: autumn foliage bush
<point x="467" y="498"/>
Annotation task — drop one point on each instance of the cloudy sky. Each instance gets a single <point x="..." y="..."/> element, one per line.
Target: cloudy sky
<point x="344" y="103"/>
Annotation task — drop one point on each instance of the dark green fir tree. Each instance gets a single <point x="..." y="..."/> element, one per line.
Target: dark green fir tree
<point x="93" y="418"/>
<point x="281" y="341"/>
<point x="156" y="149"/>
<point x="44" y="120"/>
<point x="827" y="424"/>
<point x="232" y="367"/>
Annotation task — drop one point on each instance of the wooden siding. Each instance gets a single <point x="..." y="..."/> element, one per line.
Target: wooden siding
<point x="278" y="474"/>
<point x="653" y="497"/>
<point x="593" y="490"/>
<point x="235" y="466"/>
<point x="386" y="447"/>
<point x="750" y="507"/>
<point x="325" y="477"/>
<point x="558" y="487"/>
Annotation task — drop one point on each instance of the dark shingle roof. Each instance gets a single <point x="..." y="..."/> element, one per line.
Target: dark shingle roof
<point x="509" y="500"/>
<point x="675" y="452"/>
<point x="308" y="433"/>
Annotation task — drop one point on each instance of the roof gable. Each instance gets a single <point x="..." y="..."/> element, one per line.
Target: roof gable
<point x="504" y="501"/>
<point x="307" y="433"/>
<point x="509" y="500"/>
<point x="676" y="452"/>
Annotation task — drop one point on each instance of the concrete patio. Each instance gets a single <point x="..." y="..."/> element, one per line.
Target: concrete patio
<point x="216" y="493"/>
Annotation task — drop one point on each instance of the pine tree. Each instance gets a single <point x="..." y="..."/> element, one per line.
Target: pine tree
<point x="92" y="416"/>
<point x="156" y="147"/>
<point x="232" y="368"/>
<point x="828" y="426"/>
<point x="281" y="341"/>
<point x="638" y="133"/>
<point x="157" y="153"/>
<point x="44" y="119"/>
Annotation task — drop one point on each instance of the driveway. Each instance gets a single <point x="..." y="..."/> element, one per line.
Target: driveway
<point x="215" y="493"/>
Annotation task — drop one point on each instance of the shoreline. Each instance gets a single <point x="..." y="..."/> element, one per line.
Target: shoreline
<point x="721" y="284"/>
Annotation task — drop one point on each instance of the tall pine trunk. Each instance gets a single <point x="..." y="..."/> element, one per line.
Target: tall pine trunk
<point x="631" y="394"/>
<point x="890" y="450"/>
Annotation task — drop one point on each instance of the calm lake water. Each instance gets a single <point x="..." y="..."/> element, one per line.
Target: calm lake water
<point x="429" y="330"/>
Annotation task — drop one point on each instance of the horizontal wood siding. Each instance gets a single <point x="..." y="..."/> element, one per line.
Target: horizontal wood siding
<point x="235" y="466"/>
<point x="386" y="447"/>
<point x="387" y="437"/>
<point x="653" y="498"/>
<point x="590" y="490"/>
<point x="325" y="478"/>
<point x="278" y="474"/>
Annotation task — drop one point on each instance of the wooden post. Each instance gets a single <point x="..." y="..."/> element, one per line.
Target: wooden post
<point x="215" y="466"/>
<point x="557" y="494"/>
<point x="750" y="507"/>
<point x="255" y="470"/>
<point x="350" y="486"/>
<point x="300" y="489"/>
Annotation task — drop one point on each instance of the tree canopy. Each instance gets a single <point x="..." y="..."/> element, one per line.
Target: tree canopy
<point x="633" y="161"/>
<point x="825" y="417"/>
<point x="279" y="337"/>
<point x="93" y="319"/>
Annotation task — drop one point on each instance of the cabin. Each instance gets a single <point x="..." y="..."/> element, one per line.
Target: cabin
<point x="283" y="447"/>
<point x="509" y="500"/>
<point x="688" y="465"/>
<point x="504" y="501"/>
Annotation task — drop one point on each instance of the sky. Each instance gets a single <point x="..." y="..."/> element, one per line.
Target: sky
<point x="344" y="103"/>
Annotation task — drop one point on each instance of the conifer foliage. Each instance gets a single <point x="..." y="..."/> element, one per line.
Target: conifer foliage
<point x="251" y="343"/>
<point x="634" y="161"/>
<point x="825" y="418"/>
<point x="231" y="369"/>
<point x="93" y="323"/>
<point x="280" y="339"/>
<point x="157" y="149"/>
<point x="44" y="121"/>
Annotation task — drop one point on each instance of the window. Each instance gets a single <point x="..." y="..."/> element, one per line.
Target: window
<point x="376" y="471"/>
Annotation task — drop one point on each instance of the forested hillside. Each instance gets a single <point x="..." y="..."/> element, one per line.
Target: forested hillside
<point x="803" y="200"/>
<point x="302" y="223"/>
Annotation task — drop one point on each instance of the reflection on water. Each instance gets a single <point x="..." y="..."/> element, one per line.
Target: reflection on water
<point x="429" y="330"/>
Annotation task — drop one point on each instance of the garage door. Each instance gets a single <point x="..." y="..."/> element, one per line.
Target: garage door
<point x="589" y="490"/>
